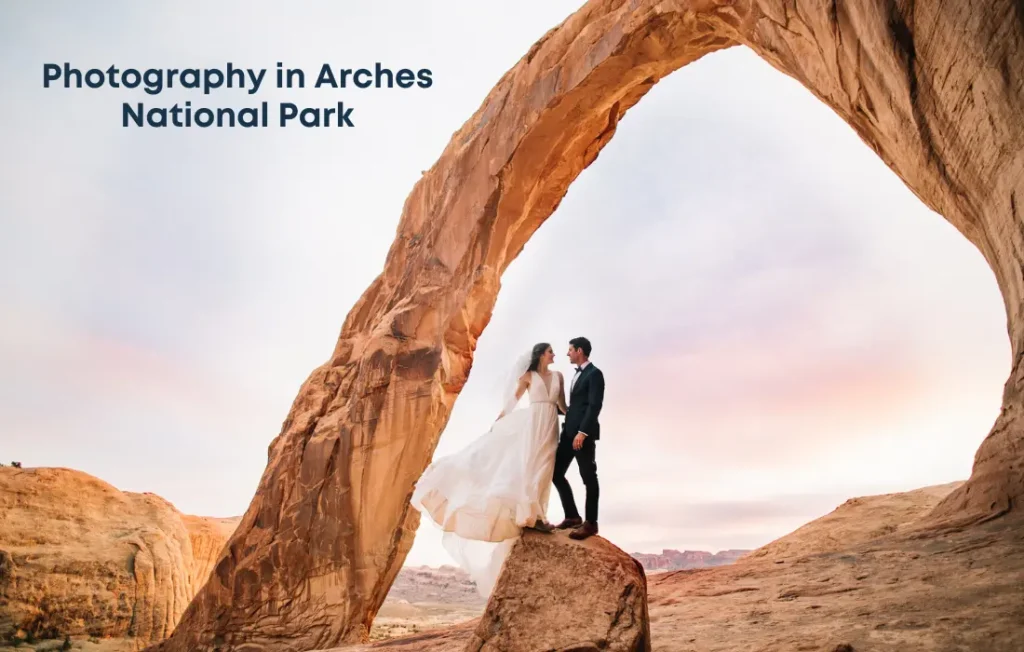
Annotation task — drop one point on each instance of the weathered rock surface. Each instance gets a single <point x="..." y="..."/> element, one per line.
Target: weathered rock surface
<point x="560" y="594"/>
<point x="951" y="591"/>
<point x="207" y="536"/>
<point x="881" y="588"/>
<point x="935" y="88"/>
<point x="79" y="557"/>
<point x="857" y="521"/>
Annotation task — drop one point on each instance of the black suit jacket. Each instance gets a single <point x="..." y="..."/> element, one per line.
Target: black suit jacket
<point x="585" y="402"/>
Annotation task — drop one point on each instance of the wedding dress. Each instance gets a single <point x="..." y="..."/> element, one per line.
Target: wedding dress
<point x="483" y="495"/>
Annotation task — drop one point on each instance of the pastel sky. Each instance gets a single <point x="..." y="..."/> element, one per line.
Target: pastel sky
<point x="781" y="322"/>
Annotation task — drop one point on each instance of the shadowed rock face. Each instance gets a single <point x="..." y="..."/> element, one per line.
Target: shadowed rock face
<point x="934" y="88"/>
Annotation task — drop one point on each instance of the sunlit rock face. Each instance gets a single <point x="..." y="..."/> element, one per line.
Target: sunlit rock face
<point x="934" y="88"/>
<point x="79" y="557"/>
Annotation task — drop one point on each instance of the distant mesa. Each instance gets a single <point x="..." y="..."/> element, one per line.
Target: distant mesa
<point x="669" y="560"/>
<point x="445" y="585"/>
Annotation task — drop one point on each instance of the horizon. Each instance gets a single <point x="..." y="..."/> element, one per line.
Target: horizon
<point x="452" y="564"/>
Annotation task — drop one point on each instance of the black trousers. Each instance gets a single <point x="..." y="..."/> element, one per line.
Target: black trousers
<point x="585" y="459"/>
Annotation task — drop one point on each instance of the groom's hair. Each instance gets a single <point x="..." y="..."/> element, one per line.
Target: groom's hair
<point x="581" y="343"/>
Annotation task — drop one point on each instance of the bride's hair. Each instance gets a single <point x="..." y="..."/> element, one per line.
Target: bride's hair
<point x="538" y="351"/>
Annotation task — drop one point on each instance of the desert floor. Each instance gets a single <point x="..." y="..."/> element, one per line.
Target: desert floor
<point x="861" y="578"/>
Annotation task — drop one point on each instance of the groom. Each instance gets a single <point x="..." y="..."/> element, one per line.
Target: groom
<point x="580" y="433"/>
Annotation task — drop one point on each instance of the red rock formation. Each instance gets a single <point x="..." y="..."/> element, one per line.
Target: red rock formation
<point x="78" y="557"/>
<point x="207" y="536"/>
<point x="934" y="88"/>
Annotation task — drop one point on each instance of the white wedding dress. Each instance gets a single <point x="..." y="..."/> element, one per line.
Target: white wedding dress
<point x="483" y="495"/>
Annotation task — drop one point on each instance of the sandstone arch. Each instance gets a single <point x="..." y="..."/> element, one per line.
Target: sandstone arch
<point x="934" y="88"/>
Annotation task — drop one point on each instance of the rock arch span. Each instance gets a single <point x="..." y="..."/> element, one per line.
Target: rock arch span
<point x="934" y="88"/>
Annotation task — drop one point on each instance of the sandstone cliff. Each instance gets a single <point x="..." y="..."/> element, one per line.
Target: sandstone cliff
<point x="207" y="536"/>
<point x="79" y="557"/>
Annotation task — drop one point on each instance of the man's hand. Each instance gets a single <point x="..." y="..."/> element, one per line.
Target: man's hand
<point x="577" y="443"/>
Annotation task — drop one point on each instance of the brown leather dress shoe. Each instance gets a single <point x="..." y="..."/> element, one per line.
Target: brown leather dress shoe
<point x="542" y="526"/>
<point x="569" y="523"/>
<point x="588" y="529"/>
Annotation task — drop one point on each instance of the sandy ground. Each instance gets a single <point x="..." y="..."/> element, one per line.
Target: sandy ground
<point x="397" y="620"/>
<point x="77" y="644"/>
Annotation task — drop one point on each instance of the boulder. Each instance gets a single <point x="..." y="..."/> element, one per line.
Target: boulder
<point x="560" y="594"/>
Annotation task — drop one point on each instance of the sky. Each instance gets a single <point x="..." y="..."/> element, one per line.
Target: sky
<point x="781" y="323"/>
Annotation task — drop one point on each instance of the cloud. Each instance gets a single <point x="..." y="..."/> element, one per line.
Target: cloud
<point x="672" y="511"/>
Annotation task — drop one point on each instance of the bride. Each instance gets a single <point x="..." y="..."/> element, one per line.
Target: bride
<point x="485" y="494"/>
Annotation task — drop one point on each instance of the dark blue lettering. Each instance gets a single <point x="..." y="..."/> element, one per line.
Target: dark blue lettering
<point x="384" y="72"/>
<point x="92" y="75"/>
<point x="136" y="116"/>
<point x="326" y="77"/>
<point x="405" y="78"/>
<point x="51" y="72"/>
<point x="362" y="71"/>
<point x="136" y="78"/>
<point x="288" y="112"/>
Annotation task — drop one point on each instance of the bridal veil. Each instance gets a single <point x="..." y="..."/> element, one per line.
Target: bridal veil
<point x="477" y="496"/>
